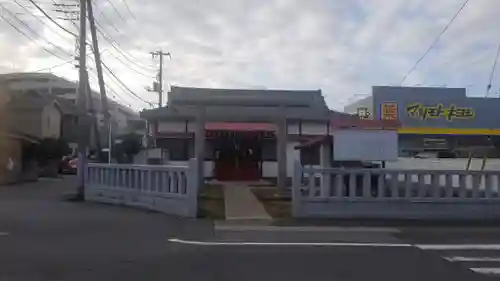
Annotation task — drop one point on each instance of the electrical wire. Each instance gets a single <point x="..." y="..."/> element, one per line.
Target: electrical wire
<point x="108" y="88"/>
<point x="37" y="18"/>
<point x="103" y="15"/>
<point x="123" y="84"/>
<point x="435" y="41"/>
<point x="55" y="66"/>
<point x="28" y="36"/>
<point x="492" y="73"/>
<point x="128" y="9"/>
<point x="51" y="19"/>
<point x="124" y="54"/>
<point x="116" y="10"/>
<point x="126" y="65"/>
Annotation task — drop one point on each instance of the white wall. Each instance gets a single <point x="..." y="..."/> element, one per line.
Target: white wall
<point x="208" y="168"/>
<point x="314" y="128"/>
<point x="172" y="126"/>
<point x="51" y="122"/>
<point x="270" y="169"/>
<point x="293" y="128"/>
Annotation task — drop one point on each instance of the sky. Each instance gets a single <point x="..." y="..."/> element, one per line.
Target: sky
<point x="342" y="47"/>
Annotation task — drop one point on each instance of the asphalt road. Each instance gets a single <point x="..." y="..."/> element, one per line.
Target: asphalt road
<point x="44" y="238"/>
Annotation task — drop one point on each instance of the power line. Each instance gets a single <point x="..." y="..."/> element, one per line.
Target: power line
<point x="34" y="32"/>
<point x="29" y="37"/>
<point x="126" y="65"/>
<point x="108" y="88"/>
<point x="116" y="10"/>
<point x="128" y="9"/>
<point x="103" y="15"/>
<point x="435" y="41"/>
<point x="115" y="46"/>
<point x="51" y="19"/>
<point x="492" y="73"/>
<point x="123" y="84"/>
<point x="27" y="10"/>
<point x="55" y="66"/>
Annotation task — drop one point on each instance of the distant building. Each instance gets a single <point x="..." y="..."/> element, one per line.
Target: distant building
<point x="65" y="92"/>
<point x="434" y="119"/>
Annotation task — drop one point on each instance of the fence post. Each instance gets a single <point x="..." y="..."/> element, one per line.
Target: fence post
<point x="296" y="185"/>
<point x="193" y="187"/>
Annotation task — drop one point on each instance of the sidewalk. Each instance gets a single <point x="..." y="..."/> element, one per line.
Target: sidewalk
<point x="241" y="203"/>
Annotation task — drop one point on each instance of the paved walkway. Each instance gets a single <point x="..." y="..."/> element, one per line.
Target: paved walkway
<point x="241" y="203"/>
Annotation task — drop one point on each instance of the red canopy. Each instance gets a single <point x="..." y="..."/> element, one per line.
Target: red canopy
<point x="240" y="127"/>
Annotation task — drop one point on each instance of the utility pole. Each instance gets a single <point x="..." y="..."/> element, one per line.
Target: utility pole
<point x="102" y="88"/>
<point x="158" y="85"/>
<point x="81" y="104"/>
<point x="95" y="121"/>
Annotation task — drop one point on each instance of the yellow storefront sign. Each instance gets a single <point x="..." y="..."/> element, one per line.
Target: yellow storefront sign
<point x="389" y="111"/>
<point x="424" y="112"/>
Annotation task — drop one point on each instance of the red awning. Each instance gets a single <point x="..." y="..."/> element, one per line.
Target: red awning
<point x="241" y="127"/>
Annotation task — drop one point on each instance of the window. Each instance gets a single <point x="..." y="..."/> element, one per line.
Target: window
<point x="310" y="155"/>
<point x="269" y="150"/>
<point x="177" y="148"/>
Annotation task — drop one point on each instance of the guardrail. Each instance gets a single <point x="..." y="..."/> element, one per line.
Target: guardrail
<point x="168" y="189"/>
<point x="391" y="193"/>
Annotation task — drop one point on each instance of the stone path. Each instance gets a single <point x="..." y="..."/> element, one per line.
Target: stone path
<point x="241" y="203"/>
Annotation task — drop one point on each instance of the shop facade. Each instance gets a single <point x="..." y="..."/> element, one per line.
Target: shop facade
<point x="435" y="119"/>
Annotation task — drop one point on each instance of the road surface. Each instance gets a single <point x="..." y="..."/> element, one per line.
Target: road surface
<point x="44" y="238"/>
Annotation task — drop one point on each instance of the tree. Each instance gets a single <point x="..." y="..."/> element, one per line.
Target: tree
<point x="49" y="153"/>
<point x="130" y="146"/>
<point x="52" y="149"/>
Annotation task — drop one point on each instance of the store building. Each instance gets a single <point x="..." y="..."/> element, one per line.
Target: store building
<point x="435" y="119"/>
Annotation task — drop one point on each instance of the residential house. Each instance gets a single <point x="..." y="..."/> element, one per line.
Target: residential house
<point x="26" y="118"/>
<point x="65" y="92"/>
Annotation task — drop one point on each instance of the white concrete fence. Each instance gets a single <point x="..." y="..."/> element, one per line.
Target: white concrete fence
<point x="395" y="193"/>
<point x="168" y="189"/>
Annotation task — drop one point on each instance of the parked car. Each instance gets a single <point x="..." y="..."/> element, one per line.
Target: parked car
<point x="68" y="165"/>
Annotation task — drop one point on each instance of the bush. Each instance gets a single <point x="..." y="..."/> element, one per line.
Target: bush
<point x="52" y="149"/>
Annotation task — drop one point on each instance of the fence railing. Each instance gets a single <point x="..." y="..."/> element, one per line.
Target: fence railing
<point x="169" y="189"/>
<point x="395" y="193"/>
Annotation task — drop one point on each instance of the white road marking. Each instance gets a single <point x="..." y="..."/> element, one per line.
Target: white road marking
<point x="487" y="270"/>
<point x="4" y="233"/>
<point x="437" y="247"/>
<point x="317" y="244"/>
<point x="472" y="259"/>
<point x="272" y="228"/>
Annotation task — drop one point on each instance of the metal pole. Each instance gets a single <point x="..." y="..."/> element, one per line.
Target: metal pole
<point x="81" y="106"/>
<point x="160" y="81"/>
<point x="97" y="55"/>
<point x="110" y="144"/>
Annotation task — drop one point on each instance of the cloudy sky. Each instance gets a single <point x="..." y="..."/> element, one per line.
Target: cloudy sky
<point x="340" y="46"/>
